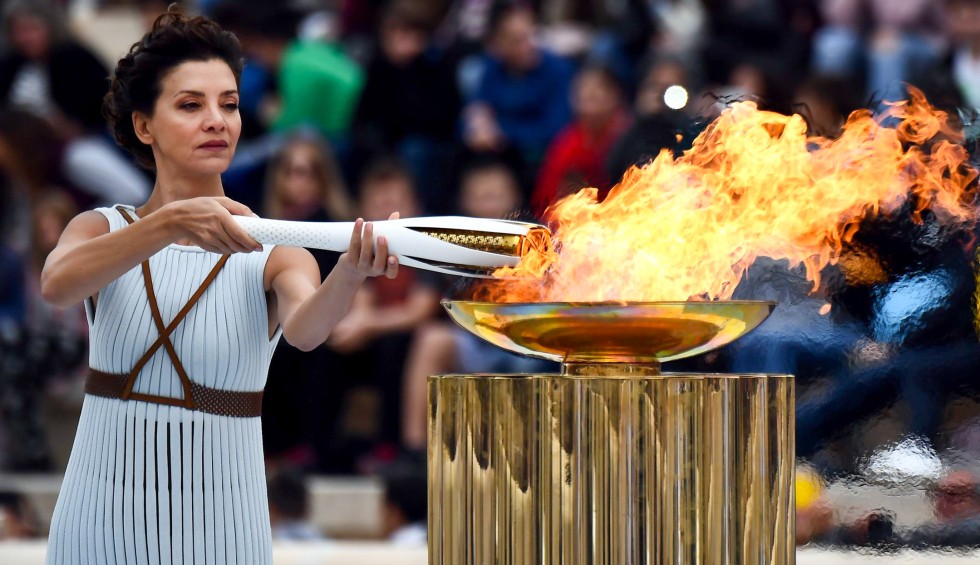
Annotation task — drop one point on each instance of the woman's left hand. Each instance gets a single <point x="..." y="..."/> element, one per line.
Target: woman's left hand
<point x="361" y="260"/>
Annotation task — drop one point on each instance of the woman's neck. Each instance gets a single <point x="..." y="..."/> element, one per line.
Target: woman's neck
<point x="172" y="187"/>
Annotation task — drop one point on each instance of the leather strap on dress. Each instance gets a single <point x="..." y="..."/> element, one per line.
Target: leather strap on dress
<point x="205" y="399"/>
<point x="196" y="396"/>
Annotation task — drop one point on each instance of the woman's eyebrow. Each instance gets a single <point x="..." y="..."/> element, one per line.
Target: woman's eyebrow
<point x="199" y="93"/>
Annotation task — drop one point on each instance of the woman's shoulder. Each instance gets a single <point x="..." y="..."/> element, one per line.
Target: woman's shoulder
<point x="87" y="225"/>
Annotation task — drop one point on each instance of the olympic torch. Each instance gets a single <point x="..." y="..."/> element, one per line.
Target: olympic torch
<point x="456" y="245"/>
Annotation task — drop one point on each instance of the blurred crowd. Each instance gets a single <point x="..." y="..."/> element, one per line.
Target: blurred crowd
<point x="495" y="109"/>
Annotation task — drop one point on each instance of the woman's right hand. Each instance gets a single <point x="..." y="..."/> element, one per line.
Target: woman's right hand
<point x="207" y="223"/>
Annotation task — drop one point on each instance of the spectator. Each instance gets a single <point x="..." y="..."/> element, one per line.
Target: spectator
<point x="410" y="104"/>
<point x="318" y="84"/>
<point x="303" y="184"/>
<point x="656" y="126"/>
<point x="52" y="212"/>
<point x="289" y="508"/>
<point x="905" y="38"/>
<point x="577" y="157"/>
<point x="409" y="92"/>
<point x="50" y="75"/>
<point x="405" y="510"/>
<point x="41" y="347"/>
<point x="825" y="102"/>
<point x="17" y="521"/>
<point x="61" y="334"/>
<point x="756" y="48"/>
<point x="400" y="304"/>
<point x="371" y="342"/>
<point x="488" y="190"/>
<point x="964" y="25"/>
<point x="30" y="157"/>
<point x="522" y="96"/>
<point x="669" y="28"/>
<point x="21" y="441"/>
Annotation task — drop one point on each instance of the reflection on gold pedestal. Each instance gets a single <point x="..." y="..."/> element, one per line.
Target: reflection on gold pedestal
<point x="591" y="467"/>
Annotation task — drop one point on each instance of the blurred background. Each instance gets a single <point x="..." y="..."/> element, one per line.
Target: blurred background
<point x="496" y="109"/>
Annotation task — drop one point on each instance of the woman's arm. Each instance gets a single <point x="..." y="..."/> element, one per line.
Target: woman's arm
<point x="88" y="256"/>
<point x="307" y="310"/>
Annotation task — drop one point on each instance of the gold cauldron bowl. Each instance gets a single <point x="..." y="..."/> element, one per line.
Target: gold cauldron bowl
<point x="590" y="333"/>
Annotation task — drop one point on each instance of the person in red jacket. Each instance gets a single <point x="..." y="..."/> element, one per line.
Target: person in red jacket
<point x="577" y="156"/>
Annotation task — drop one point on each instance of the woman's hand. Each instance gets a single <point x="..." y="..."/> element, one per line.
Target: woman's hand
<point x="310" y="311"/>
<point x="360" y="261"/>
<point x="207" y="223"/>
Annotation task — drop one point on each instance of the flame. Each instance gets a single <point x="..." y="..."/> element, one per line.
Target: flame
<point x="752" y="185"/>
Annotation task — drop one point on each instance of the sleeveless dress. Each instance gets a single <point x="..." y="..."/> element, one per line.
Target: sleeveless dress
<point x="152" y="483"/>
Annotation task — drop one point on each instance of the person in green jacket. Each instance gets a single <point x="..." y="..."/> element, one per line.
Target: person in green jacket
<point x="318" y="84"/>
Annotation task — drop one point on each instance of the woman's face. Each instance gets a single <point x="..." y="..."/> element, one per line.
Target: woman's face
<point x="298" y="180"/>
<point x="382" y="197"/>
<point x="401" y="44"/>
<point x="594" y="99"/>
<point x="514" y="41"/>
<point x="650" y="97"/>
<point x="195" y="124"/>
<point x="491" y="193"/>
<point x="30" y="36"/>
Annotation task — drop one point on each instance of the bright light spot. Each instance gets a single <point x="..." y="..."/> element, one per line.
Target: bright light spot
<point x="675" y="97"/>
<point x="909" y="462"/>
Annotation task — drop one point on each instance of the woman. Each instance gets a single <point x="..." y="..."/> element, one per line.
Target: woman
<point x="305" y="184"/>
<point x="51" y="75"/>
<point x="167" y="461"/>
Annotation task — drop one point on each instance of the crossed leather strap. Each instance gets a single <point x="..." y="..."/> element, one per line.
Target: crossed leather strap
<point x="196" y="396"/>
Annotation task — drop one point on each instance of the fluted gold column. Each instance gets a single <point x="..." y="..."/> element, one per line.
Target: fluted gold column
<point x="610" y="465"/>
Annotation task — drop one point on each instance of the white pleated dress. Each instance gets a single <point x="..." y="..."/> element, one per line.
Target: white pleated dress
<point x="151" y="483"/>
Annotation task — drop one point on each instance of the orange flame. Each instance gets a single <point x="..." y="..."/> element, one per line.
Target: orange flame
<point x="752" y="185"/>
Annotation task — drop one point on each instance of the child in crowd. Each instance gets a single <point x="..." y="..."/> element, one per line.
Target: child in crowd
<point x="577" y="156"/>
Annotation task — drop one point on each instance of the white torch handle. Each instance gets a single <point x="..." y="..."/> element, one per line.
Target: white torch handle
<point x="331" y="236"/>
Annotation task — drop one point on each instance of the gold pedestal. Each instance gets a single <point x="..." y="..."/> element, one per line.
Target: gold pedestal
<point x="611" y="464"/>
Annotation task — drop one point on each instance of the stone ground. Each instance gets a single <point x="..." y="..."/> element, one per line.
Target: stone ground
<point x="350" y="553"/>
